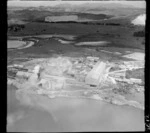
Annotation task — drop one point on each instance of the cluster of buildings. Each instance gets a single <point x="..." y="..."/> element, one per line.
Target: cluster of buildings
<point x="55" y="74"/>
<point x="87" y="77"/>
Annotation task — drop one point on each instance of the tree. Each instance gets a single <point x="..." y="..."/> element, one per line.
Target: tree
<point x="139" y="34"/>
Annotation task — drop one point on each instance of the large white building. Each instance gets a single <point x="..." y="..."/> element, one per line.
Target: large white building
<point x="95" y="76"/>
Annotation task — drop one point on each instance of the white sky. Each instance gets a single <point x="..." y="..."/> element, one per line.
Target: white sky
<point x="53" y="3"/>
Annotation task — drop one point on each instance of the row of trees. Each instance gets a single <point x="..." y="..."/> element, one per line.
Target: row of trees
<point x="89" y="23"/>
<point x="139" y="33"/>
<point x="16" y="27"/>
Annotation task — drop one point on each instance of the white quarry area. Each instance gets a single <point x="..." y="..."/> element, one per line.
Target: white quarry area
<point x="61" y="18"/>
<point x="95" y="43"/>
<point x="72" y="77"/>
<point x="140" y="20"/>
<point x="64" y="18"/>
<point x="136" y="56"/>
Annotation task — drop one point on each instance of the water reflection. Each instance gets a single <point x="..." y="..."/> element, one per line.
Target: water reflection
<point x="64" y="114"/>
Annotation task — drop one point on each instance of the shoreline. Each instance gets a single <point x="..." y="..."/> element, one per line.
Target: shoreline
<point x="26" y="45"/>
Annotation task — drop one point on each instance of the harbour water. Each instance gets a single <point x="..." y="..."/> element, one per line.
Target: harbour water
<point x="39" y="113"/>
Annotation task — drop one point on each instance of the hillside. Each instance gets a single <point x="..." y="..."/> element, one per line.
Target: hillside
<point x="83" y="11"/>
